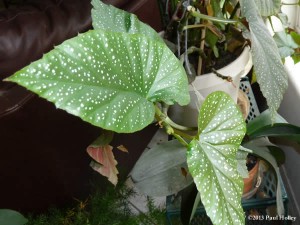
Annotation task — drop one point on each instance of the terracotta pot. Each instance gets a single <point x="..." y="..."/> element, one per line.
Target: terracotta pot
<point x="251" y="180"/>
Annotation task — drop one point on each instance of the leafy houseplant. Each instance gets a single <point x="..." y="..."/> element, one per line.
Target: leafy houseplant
<point x="120" y="77"/>
<point x="208" y="32"/>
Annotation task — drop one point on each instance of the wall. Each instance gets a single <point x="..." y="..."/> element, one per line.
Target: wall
<point x="290" y="110"/>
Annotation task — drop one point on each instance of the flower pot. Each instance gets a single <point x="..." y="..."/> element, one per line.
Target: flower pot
<point x="253" y="182"/>
<point x="207" y="83"/>
<point x="249" y="182"/>
<point x="244" y="103"/>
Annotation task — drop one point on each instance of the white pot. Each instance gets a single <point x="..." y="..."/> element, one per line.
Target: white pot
<point x="208" y="83"/>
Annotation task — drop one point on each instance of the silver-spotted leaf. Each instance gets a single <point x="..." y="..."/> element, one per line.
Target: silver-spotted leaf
<point x="241" y="158"/>
<point x="108" y="79"/>
<point x="268" y="7"/>
<point x="110" y="18"/>
<point x="270" y="72"/>
<point x="212" y="159"/>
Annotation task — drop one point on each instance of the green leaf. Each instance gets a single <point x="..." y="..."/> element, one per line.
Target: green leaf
<point x="218" y="13"/>
<point x="262" y="120"/>
<point x="296" y="37"/>
<point x="296" y="58"/>
<point x="268" y="7"/>
<point x="195" y="206"/>
<point x="110" y="18"/>
<point x="270" y="72"/>
<point x="158" y="172"/>
<point x="11" y="217"/>
<point x="296" y="55"/>
<point x="285" y="43"/>
<point x="278" y="154"/>
<point x="212" y="40"/>
<point x="263" y="126"/>
<point x="275" y="151"/>
<point x="212" y="159"/>
<point x="104" y="139"/>
<point x="279" y="130"/>
<point x="188" y="196"/>
<point x="108" y="79"/>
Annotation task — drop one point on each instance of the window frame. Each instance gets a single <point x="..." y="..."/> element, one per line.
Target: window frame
<point x="297" y="20"/>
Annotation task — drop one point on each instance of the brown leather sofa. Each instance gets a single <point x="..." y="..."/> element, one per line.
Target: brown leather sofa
<point x="43" y="160"/>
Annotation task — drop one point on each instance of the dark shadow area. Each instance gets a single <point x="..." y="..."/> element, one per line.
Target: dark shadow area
<point x="43" y="157"/>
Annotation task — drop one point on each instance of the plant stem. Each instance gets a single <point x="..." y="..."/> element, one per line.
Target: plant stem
<point x="173" y="128"/>
<point x="161" y="117"/>
<point x="236" y="7"/>
<point x="202" y="42"/>
<point x="174" y="17"/>
<point x="184" y="135"/>
<point x="191" y="50"/>
<point x="271" y="23"/>
<point x="194" y="13"/>
<point x="177" y="126"/>
<point x="186" y="58"/>
<point x="193" y="26"/>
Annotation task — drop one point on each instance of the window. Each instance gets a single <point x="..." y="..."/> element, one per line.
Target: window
<point x="293" y="13"/>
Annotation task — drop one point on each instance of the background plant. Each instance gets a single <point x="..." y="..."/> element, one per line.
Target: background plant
<point x="111" y="206"/>
<point x="216" y="29"/>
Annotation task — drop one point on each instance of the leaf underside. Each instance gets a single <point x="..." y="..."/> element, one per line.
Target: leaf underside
<point x="270" y="72"/>
<point x="105" y="162"/>
<point x="158" y="171"/>
<point x="212" y="159"/>
<point x="108" y="79"/>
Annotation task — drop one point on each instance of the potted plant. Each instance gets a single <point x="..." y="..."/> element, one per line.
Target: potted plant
<point x="208" y="33"/>
<point x="120" y="77"/>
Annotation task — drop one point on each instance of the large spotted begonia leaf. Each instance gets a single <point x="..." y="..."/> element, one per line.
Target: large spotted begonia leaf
<point x="110" y="18"/>
<point x="108" y="79"/>
<point x="212" y="160"/>
<point x="270" y="72"/>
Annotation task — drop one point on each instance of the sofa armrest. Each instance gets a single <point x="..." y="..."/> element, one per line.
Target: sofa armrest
<point x="29" y="31"/>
